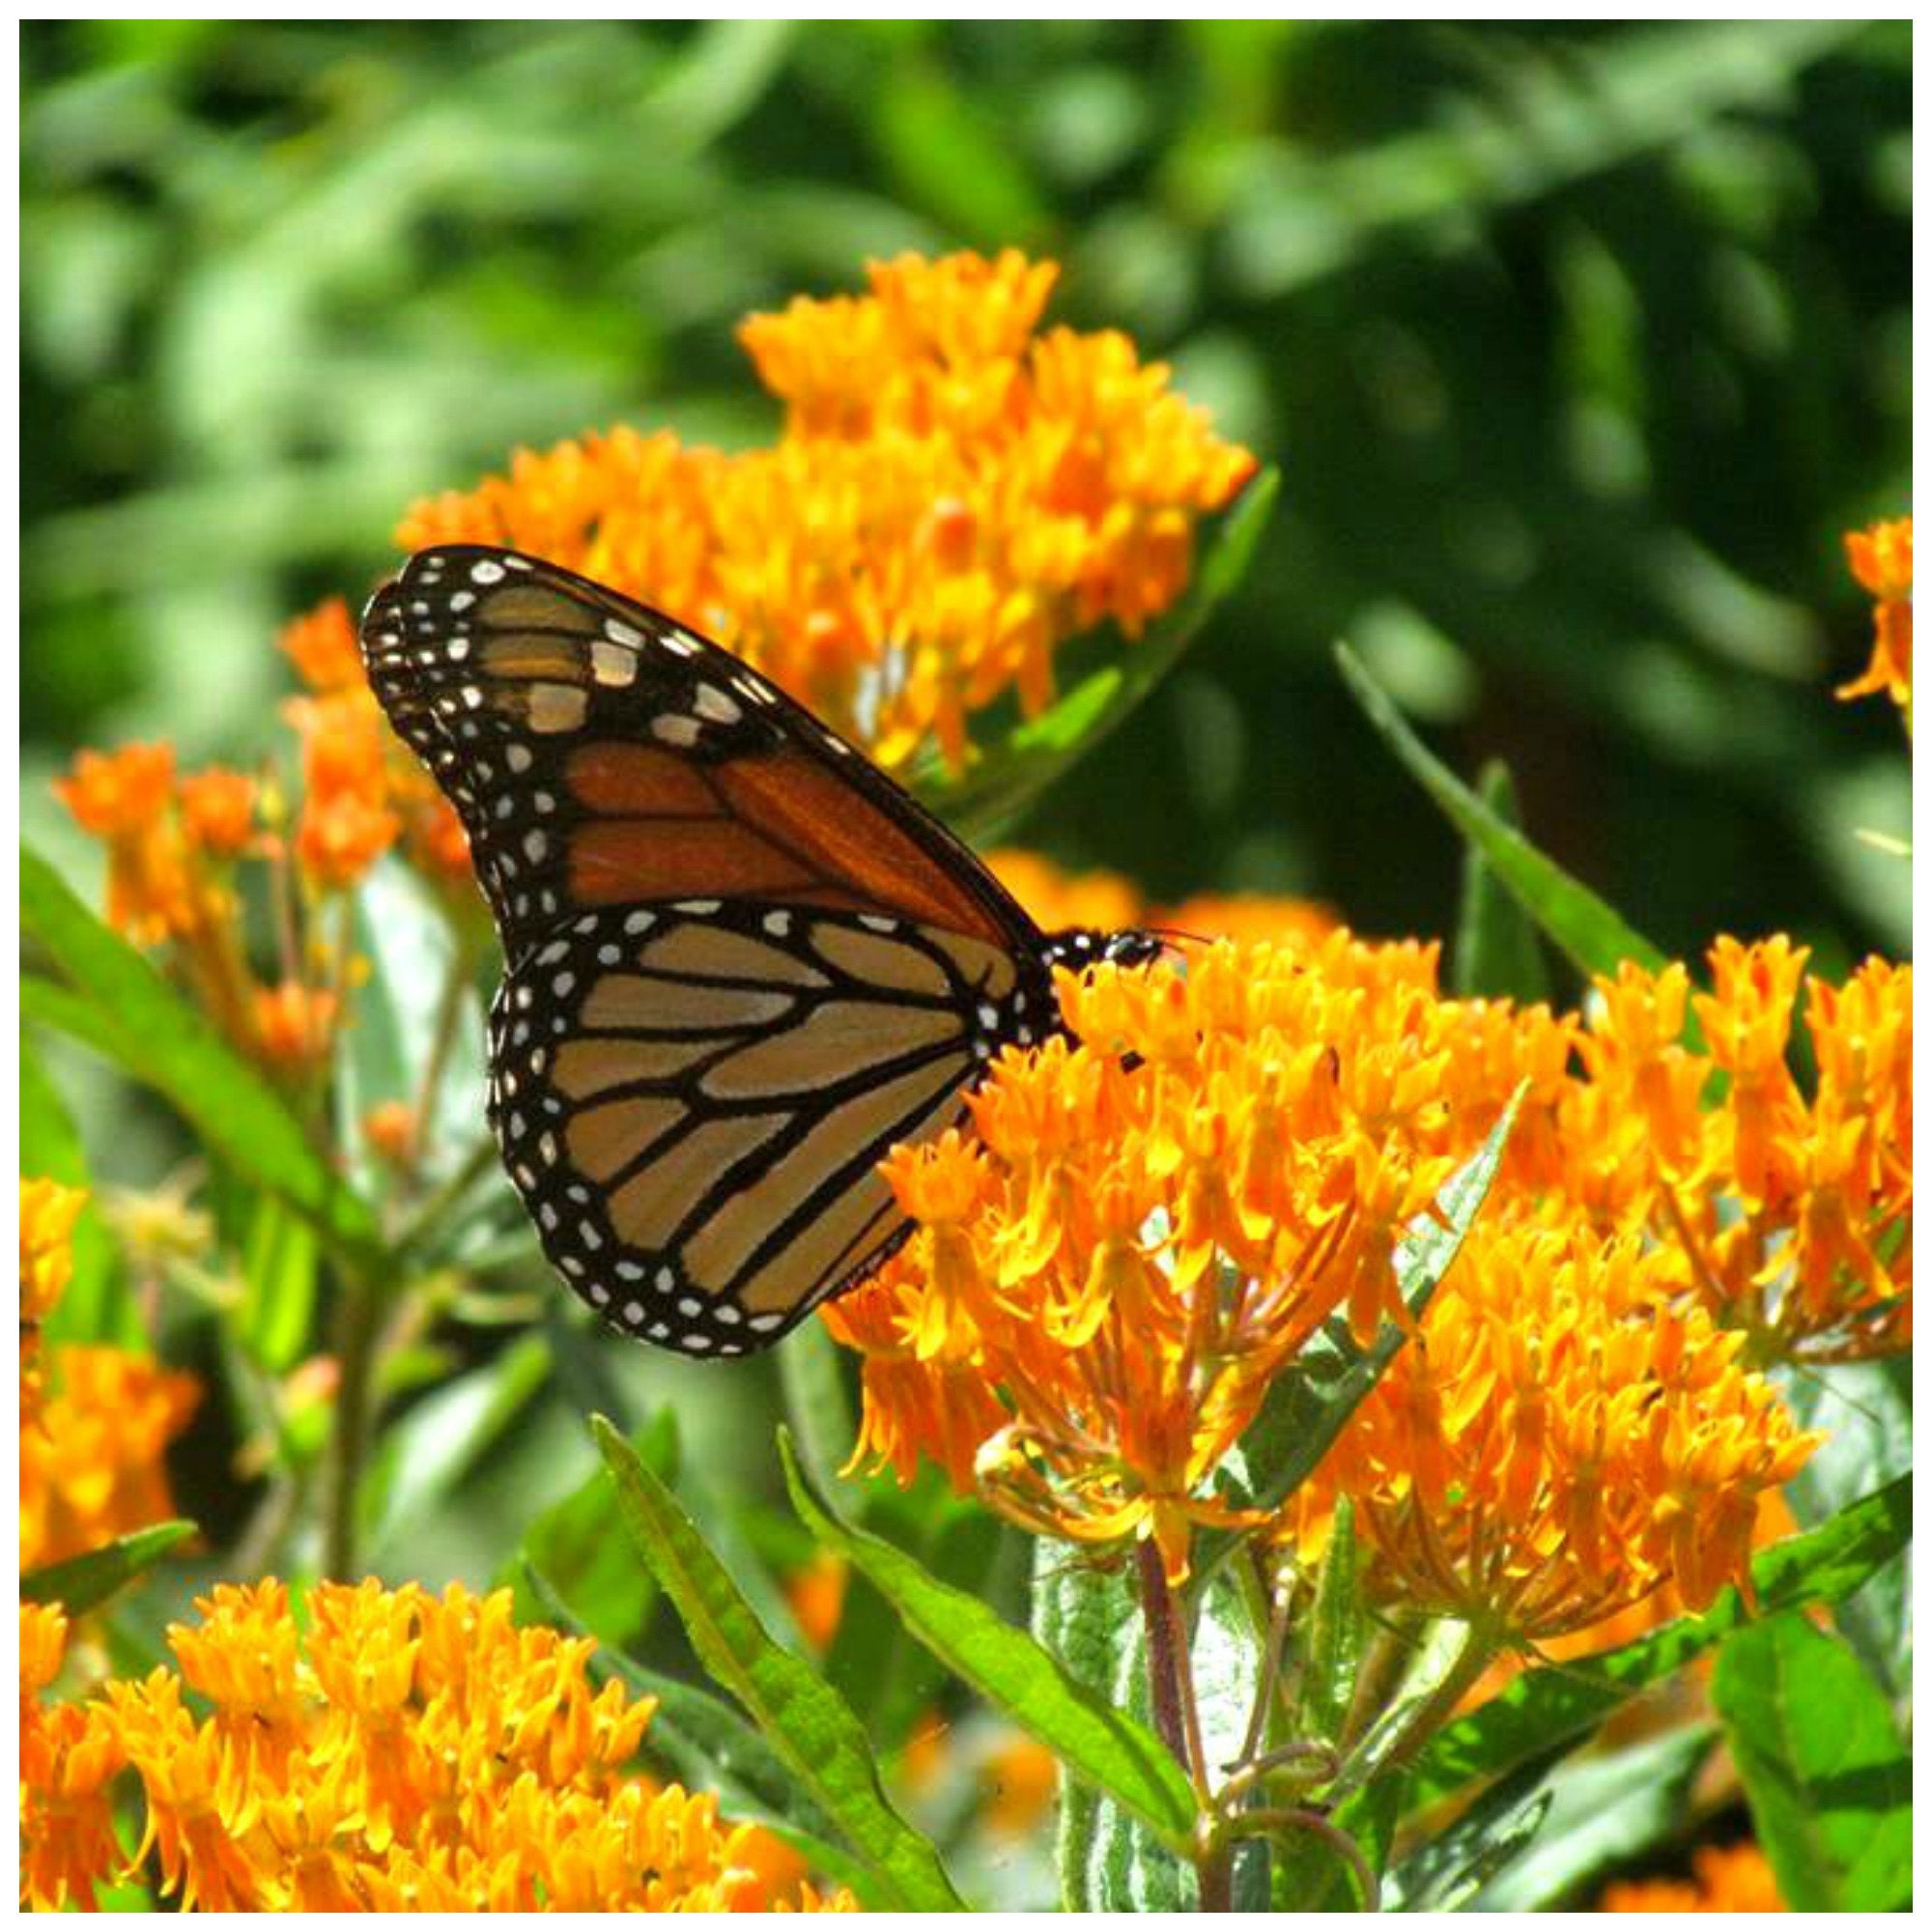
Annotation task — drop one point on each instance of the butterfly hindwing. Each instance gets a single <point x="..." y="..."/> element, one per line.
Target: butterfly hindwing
<point x="692" y="1098"/>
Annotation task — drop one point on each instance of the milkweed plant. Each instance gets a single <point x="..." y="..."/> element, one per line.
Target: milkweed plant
<point x="1346" y="1431"/>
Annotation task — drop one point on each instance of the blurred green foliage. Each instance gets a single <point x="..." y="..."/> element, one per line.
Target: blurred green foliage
<point x="1579" y="346"/>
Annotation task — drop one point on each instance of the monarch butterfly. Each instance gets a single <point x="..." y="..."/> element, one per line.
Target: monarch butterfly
<point x="739" y="963"/>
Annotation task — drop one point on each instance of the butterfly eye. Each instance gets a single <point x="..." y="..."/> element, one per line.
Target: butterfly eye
<point x="741" y="963"/>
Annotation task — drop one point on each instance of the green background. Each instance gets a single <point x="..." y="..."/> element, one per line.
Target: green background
<point x="1579" y="347"/>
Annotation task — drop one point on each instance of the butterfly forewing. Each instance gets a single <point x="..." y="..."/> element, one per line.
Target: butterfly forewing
<point x="741" y="963"/>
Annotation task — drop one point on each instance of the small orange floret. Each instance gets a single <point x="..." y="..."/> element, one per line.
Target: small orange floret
<point x="295" y="1023"/>
<point x="322" y="646"/>
<point x="217" y="810"/>
<point x="119" y="794"/>
<point x="1881" y="560"/>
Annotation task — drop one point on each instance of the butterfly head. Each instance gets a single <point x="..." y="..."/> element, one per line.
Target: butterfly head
<point x="1081" y="947"/>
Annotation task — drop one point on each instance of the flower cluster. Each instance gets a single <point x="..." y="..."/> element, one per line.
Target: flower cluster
<point x="1724" y="1878"/>
<point x="400" y="1753"/>
<point x="1791" y="1212"/>
<point x="177" y="843"/>
<point x="1149" y="1226"/>
<point x="1564" y="1439"/>
<point x="95" y="1420"/>
<point x="1881" y="560"/>
<point x="956" y="490"/>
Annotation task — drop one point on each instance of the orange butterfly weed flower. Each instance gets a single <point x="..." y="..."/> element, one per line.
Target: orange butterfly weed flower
<point x="1881" y="560"/>
<point x="95" y="1421"/>
<point x="48" y="1212"/>
<point x="68" y="1762"/>
<point x="954" y="494"/>
<point x="92" y="1462"/>
<point x="1103" y="1288"/>
<point x="1791" y="1211"/>
<point x="362" y="791"/>
<point x="1561" y="1439"/>
<point x="404" y="1751"/>
<point x="126" y="799"/>
<point x="1724" y="1878"/>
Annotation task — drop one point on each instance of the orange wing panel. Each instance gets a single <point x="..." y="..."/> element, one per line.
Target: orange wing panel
<point x="617" y="861"/>
<point x="634" y="781"/>
<point x="845" y="835"/>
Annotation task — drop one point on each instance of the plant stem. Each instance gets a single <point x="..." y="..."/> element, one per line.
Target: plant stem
<point x="1177" y="1718"/>
<point x="348" y="1436"/>
<point x="448" y="1012"/>
<point x="1163" y="1665"/>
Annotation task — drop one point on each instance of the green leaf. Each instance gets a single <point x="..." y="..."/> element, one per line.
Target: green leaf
<point x="585" y="1567"/>
<point x="1089" y="1617"/>
<point x="980" y="801"/>
<point x="808" y="1725"/>
<point x="817" y="1406"/>
<point x="412" y="950"/>
<point x="1337" y="1629"/>
<point x="1828" y="1776"/>
<point x="1603" y="1813"/>
<point x="117" y="1003"/>
<point x="1496" y="953"/>
<point x="1307" y="1406"/>
<point x="1102" y="1744"/>
<point x="278" y="1272"/>
<point x="1447" y="1869"/>
<point x="432" y="1448"/>
<point x="1565" y="1701"/>
<point x="952" y="154"/>
<point x="1866" y="1410"/>
<point x="82" y="1582"/>
<point x="94" y="1306"/>
<point x="1586" y="929"/>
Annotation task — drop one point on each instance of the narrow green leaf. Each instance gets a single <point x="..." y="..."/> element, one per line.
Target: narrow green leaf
<point x="1447" y="1870"/>
<point x="704" y="1744"/>
<point x="1564" y="1701"/>
<point x="1603" y="1813"/>
<point x="151" y="1033"/>
<point x="1495" y="955"/>
<point x="425" y="1455"/>
<point x="807" y="1724"/>
<point x="1307" y="1406"/>
<point x="82" y="1582"/>
<point x="982" y="801"/>
<point x="1009" y="1668"/>
<point x="1586" y="929"/>
<point x="1337" y="1628"/>
<point x="278" y="1271"/>
<point x="816" y="1404"/>
<point x="407" y="1011"/>
<point x="1828" y="1776"/>
<point x="585" y="1567"/>
<point x="94" y="1306"/>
